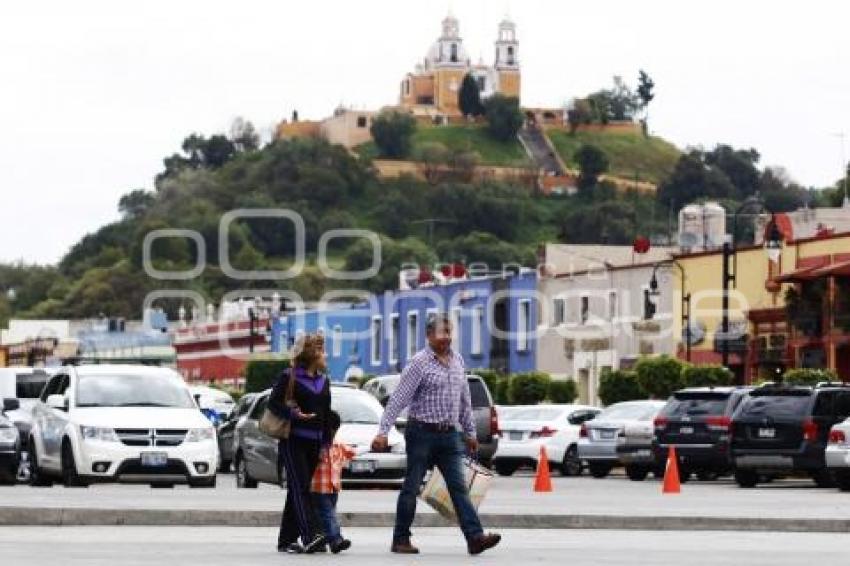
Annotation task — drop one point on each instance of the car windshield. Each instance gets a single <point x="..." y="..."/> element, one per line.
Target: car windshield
<point x="148" y="390"/>
<point x="536" y="414"/>
<point x="695" y="404"/>
<point x="788" y="404"/>
<point x="628" y="412"/>
<point x="29" y="385"/>
<point x="357" y="409"/>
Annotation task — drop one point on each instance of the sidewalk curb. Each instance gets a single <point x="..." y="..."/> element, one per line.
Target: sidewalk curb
<point x="47" y="516"/>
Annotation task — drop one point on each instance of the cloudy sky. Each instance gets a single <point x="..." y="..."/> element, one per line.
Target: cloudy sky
<point x="93" y="94"/>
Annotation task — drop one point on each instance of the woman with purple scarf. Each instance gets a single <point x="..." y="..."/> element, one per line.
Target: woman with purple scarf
<point x="299" y="454"/>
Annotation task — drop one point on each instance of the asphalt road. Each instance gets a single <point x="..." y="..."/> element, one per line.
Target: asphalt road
<point x="143" y="546"/>
<point x="582" y="495"/>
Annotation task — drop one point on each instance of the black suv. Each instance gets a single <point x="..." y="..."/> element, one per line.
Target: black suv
<point x="781" y="430"/>
<point x="696" y="421"/>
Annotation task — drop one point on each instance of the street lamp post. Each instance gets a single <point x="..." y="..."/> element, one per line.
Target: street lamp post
<point x="685" y="298"/>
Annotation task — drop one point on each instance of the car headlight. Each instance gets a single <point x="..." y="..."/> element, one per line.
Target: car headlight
<point x="8" y="435"/>
<point x="200" y="434"/>
<point x="102" y="434"/>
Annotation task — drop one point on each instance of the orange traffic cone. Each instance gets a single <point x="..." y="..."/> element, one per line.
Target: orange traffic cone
<point x="671" y="473"/>
<point x="542" y="480"/>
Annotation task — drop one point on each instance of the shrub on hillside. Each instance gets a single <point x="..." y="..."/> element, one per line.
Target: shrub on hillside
<point x="392" y="132"/>
<point x="504" y="118"/>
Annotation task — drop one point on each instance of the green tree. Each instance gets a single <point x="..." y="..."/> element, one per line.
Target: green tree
<point x="659" y="377"/>
<point x="469" y="97"/>
<point x="707" y="376"/>
<point x="616" y="386"/>
<point x="136" y="203"/>
<point x="432" y="158"/>
<point x="392" y="132"/>
<point x="562" y="391"/>
<point x="808" y="376"/>
<point x="528" y="388"/>
<point x="645" y="91"/>
<point x="693" y="179"/>
<point x="580" y="112"/>
<point x="504" y="118"/>
<point x="592" y="162"/>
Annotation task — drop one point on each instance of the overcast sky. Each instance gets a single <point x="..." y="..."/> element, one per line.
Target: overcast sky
<point x="93" y="94"/>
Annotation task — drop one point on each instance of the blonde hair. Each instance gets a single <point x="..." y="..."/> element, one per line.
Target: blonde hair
<point x="307" y="349"/>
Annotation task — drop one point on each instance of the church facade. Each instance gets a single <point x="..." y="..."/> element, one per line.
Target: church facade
<point x="433" y="88"/>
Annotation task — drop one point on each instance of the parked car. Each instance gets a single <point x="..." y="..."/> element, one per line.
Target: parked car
<point x="838" y="454"/>
<point x="484" y="411"/>
<point x="697" y="421"/>
<point x="10" y="444"/>
<point x="555" y="427"/>
<point x="597" y="444"/>
<point x="783" y="430"/>
<point x="227" y="431"/>
<point x="213" y="399"/>
<point x="24" y="384"/>
<point x="635" y="448"/>
<point x="124" y="423"/>
<point x="256" y="459"/>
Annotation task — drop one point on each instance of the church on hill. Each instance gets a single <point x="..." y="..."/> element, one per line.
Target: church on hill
<point x="433" y="88"/>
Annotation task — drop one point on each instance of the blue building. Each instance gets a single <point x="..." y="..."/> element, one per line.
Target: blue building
<point x="494" y="322"/>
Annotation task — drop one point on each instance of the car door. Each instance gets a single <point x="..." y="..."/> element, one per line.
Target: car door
<point x="227" y="430"/>
<point x="54" y="426"/>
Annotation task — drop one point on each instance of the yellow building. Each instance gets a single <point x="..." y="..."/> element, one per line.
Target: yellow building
<point x="433" y="88"/>
<point x="763" y="342"/>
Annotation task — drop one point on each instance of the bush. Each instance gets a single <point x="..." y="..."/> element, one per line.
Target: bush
<point x="260" y="374"/>
<point x="706" y="376"/>
<point x="619" y="385"/>
<point x="392" y="132"/>
<point x="659" y="377"/>
<point x="563" y="391"/>
<point x="528" y="388"/>
<point x="504" y="118"/>
<point x="503" y="386"/>
<point x="808" y="376"/>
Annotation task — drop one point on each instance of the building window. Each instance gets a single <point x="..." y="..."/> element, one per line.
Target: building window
<point x="523" y="325"/>
<point x="407" y="87"/>
<point x="361" y="121"/>
<point x="559" y="307"/>
<point x="510" y="55"/>
<point x="477" y="337"/>
<point x="337" y="341"/>
<point x="377" y="336"/>
<point x="612" y="305"/>
<point x="454" y="53"/>
<point x="456" y="329"/>
<point x="412" y="334"/>
<point x="394" y="336"/>
<point x="585" y="309"/>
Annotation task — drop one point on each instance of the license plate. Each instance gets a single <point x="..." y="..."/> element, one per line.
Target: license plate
<point x="643" y="453"/>
<point x="767" y="433"/>
<point x="516" y="435"/>
<point x="606" y="434"/>
<point x="686" y="430"/>
<point x="154" y="459"/>
<point x="362" y="466"/>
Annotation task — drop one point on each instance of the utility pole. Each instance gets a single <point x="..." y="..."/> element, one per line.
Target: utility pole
<point x="845" y="170"/>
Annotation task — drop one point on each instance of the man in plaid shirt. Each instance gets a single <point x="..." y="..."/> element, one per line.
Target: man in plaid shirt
<point x="327" y="483"/>
<point x="439" y="427"/>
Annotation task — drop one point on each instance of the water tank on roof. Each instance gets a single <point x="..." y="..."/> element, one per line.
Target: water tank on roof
<point x="702" y="227"/>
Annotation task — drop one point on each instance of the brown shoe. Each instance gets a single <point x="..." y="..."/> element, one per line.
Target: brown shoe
<point x="483" y="542"/>
<point x="403" y="546"/>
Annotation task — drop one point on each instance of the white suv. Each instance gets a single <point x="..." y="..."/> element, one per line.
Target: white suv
<point x="107" y="423"/>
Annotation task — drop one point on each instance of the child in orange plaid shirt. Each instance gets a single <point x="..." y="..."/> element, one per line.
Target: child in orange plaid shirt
<point x="327" y="483"/>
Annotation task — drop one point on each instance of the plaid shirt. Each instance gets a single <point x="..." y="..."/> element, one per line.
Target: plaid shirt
<point x="436" y="393"/>
<point x="328" y="475"/>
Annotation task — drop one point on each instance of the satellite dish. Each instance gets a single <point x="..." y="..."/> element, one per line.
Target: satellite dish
<point x="697" y="329"/>
<point x="688" y="240"/>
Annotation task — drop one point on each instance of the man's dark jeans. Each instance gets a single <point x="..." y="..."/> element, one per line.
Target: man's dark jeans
<point x="325" y="504"/>
<point x="445" y="450"/>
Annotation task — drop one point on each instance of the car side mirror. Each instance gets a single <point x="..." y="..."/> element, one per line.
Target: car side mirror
<point x="59" y="402"/>
<point x="11" y="404"/>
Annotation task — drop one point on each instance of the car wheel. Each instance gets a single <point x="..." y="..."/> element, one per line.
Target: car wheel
<point x="599" y="471"/>
<point x="637" y="473"/>
<point x="505" y="468"/>
<point x="823" y="478"/>
<point x="224" y="466"/>
<point x="70" y="477"/>
<point x="9" y="477"/>
<point x="746" y="478"/>
<point x="842" y="479"/>
<point x="571" y="466"/>
<point x="37" y="477"/>
<point x="243" y="478"/>
<point x="684" y="475"/>
<point x="162" y="485"/>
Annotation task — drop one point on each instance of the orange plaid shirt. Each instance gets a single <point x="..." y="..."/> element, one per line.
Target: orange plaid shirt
<point x="328" y="476"/>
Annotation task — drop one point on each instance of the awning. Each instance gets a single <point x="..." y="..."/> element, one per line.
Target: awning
<point x="798" y="275"/>
<point x="840" y="269"/>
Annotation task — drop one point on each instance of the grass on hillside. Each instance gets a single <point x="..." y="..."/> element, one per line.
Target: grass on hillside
<point x="651" y="159"/>
<point x="462" y="138"/>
